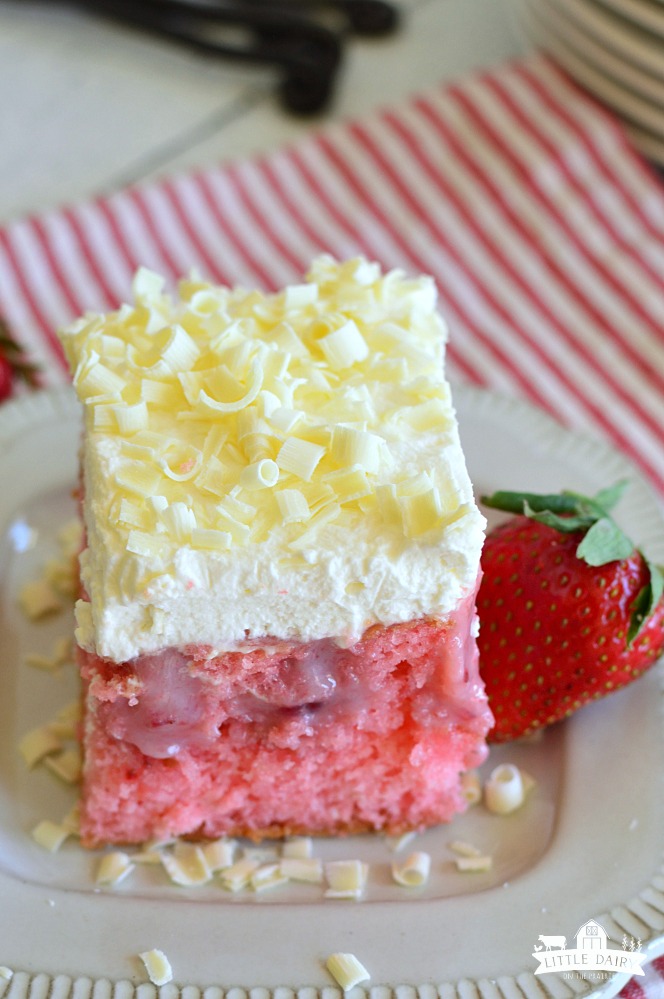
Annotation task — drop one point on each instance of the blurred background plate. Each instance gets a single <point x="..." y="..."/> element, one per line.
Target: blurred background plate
<point x="652" y="146"/>
<point x="614" y="49"/>
<point x="648" y="13"/>
<point x="631" y="58"/>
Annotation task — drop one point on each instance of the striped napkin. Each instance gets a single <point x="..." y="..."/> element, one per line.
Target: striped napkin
<point x="522" y="197"/>
<point x="650" y="986"/>
<point x="541" y="225"/>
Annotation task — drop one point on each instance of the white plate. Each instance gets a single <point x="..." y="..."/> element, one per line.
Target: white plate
<point x="635" y="95"/>
<point x="625" y="40"/>
<point x="651" y="146"/>
<point x="647" y="13"/>
<point x="555" y="30"/>
<point x="587" y="844"/>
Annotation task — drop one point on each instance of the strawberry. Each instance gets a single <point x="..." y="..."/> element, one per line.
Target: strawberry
<point x="6" y="378"/>
<point x="13" y="364"/>
<point x="570" y="610"/>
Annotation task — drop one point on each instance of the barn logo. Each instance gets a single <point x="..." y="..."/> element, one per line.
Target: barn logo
<point x="590" y="954"/>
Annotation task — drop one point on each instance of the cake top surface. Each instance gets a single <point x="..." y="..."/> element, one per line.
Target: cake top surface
<point x="280" y="465"/>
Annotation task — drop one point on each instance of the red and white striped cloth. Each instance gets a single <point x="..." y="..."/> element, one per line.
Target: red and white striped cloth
<point x="648" y="986"/>
<point x="541" y="225"/>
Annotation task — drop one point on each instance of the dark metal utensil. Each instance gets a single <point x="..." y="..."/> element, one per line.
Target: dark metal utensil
<point x="286" y="34"/>
<point x="362" y="17"/>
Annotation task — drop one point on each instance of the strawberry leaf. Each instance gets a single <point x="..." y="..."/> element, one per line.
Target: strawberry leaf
<point x="609" y="497"/>
<point x="604" y="542"/>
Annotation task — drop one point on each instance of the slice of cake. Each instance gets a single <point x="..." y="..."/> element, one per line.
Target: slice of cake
<point x="276" y="630"/>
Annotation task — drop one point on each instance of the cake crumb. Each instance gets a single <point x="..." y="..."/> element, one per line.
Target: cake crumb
<point x="6" y="973"/>
<point x="157" y="966"/>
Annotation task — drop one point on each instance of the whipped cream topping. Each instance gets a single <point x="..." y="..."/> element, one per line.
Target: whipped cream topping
<point x="262" y="466"/>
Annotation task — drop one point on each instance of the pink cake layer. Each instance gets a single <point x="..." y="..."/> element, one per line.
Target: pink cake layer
<point x="284" y="738"/>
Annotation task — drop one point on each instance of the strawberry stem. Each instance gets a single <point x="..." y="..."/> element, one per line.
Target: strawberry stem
<point x="516" y="502"/>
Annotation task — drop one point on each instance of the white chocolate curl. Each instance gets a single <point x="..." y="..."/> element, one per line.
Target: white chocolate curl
<point x="346" y="878"/>
<point x="346" y="970"/>
<point x="113" y="868"/>
<point x="157" y="966"/>
<point x="471" y="787"/>
<point x="302" y="869"/>
<point x="504" y="791"/>
<point x="260" y="474"/>
<point x="50" y="835"/>
<point x="413" y="872"/>
<point x="473" y="865"/>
